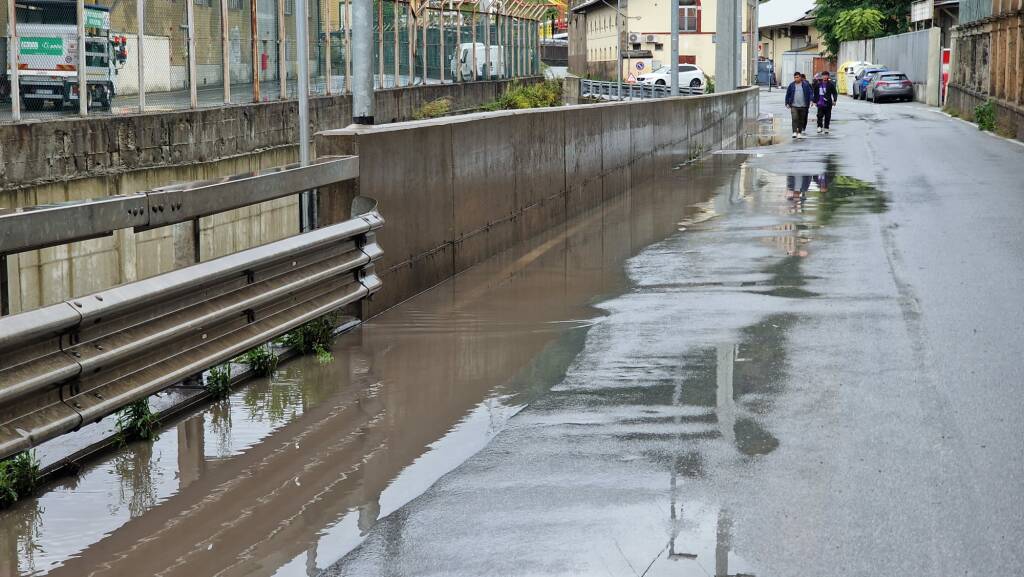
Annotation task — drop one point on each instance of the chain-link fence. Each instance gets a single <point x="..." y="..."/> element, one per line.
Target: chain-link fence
<point x="204" y="53"/>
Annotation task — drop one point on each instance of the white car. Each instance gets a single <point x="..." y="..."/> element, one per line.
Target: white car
<point x="689" y="75"/>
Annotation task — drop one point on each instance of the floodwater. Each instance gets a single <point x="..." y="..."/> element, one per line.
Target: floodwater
<point x="292" y="473"/>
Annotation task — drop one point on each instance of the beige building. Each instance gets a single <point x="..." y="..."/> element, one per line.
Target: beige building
<point x="646" y="35"/>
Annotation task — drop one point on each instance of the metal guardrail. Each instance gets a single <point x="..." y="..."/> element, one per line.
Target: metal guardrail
<point x="75" y="362"/>
<point x="610" y="90"/>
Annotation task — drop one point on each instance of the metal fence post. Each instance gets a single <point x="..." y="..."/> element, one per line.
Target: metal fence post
<point x="380" y="43"/>
<point x="487" y="42"/>
<point x="362" y="61"/>
<point x="408" y="33"/>
<point x="348" y="46"/>
<point x="282" y="52"/>
<point x="426" y="23"/>
<point x="225" y="49"/>
<point x="254" y="36"/>
<point x="307" y="220"/>
<point x="441" y="44"/>
<point x="395" y="52"/>
<point x="193" y="94"/>
<point x="83" y="80"/>
<point x="14" y="51"/>
<point x="472" y="52"/>
<point x="140" y="59"/>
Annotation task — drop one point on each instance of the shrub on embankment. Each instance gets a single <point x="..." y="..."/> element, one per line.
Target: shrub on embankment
<point x="518" y="96"/>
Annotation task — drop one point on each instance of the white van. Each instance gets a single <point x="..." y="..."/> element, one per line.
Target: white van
<point x="461" y="65"/>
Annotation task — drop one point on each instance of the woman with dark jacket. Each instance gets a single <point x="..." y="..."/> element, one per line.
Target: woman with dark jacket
<point x="825" y="96"/>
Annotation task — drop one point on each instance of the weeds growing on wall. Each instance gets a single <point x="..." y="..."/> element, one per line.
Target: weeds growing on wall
<point x="261" y="360"/>
<point x="709" y="84"/>
<point x="218" y="381"/>
<point x="985" y="116"/>
<point x="433" y="109"/>
<point x="18" y="477"/>
<point x="136" y="421"/>
<point x="518" y="96"/>
<point x="313" y="337"/>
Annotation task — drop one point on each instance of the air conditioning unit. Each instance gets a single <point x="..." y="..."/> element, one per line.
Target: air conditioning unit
<point x="651" y="38"/>
<point x="634" y="38"/>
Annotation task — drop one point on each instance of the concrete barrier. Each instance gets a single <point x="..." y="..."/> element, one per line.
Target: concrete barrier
<point x="457" y="190"/>
<point x="68" y="159"/>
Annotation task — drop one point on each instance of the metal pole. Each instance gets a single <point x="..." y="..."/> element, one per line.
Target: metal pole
<point x="14" y="53"/>
<point x="674" y="50"/>
<point x="409" y="27"/>
<point x="306" y="203"/>
<point x="254" y="36"/>
<point x="472" y="52"/>
<point x="225" y="48"/>
<point x="396" y="53"/>
<point x="441" y="60"/>
<point x="327" y="48"/>
<point x="487" y="43"/>
<point x="426" y="22"/>
<point x="83" y="81"/>
<point x="140" y="60"/>
<point x="282" y="49"/>
<point x="380" y="43"/>
<point x="348" y="46"/>
<point x="362" y="61"/>
<point x="618" y="45"/>
<point x="193" y="94"/>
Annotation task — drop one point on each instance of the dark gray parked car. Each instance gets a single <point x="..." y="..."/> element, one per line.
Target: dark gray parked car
<point x="890" y="85"/>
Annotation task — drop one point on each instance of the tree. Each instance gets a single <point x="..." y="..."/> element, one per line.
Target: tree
<point x="895" y="16"/>
<point x="858" y="24"/>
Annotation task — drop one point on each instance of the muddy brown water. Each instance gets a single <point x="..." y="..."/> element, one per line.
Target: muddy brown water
<point x="312" y="457"/>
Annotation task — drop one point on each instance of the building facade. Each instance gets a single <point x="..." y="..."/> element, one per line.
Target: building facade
<point x="644" y="36"/>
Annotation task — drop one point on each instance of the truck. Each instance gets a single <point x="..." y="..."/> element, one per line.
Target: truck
<point x="48" y="55"/>
<point x="461" y="65"/>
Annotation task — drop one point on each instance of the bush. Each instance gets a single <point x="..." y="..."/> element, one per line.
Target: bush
<point x="313" y="337"/>
<point x="18" y="477"/>
<point x="218" y="381"/>
<point x="985" y="116"/>
<point x="709" y="84"/>
<point x="136" y="421"/>
<point x="433" y="109"/>
<point x="261" y="360"/>
<point x="540" y="95"/>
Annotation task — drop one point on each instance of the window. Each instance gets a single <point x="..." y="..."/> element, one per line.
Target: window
<point x="689" y="16"/>
<point x="235" y="4"/>
<point x="687" y="68"/>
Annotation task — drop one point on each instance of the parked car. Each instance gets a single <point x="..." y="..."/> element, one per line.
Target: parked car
<point x="861" y="83"/>
<point x="890" y="85"/>
<point x="689" y="75"/>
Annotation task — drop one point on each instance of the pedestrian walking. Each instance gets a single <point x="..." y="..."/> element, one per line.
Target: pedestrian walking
<point x="825" y="97"/>
<point x="798" y="100"/>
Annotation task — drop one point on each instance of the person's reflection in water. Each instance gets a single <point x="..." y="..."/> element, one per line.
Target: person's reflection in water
<point x="797" y="186"/>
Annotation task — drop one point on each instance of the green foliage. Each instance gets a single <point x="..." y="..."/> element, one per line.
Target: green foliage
<point x="18" y="477"/>
<point x="893" y="20"/>
<point x="261" y="360"/>
<point x="433" y="109"/>
<point x="136" y="421"/>
<point x="313" y="337"/>
<point x="218" y="381"/>
<point x="518" y="96"/>
<point x="709" y="84"/>
<point x="985" y="116"/>
<point x="859" y="24"/>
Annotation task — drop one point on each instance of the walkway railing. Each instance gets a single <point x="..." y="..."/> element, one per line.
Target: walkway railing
<point x="75" y="362"/>
<point x="611" y="90"/>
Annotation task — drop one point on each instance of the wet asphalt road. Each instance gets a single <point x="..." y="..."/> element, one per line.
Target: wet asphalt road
<point x="801" y="361"/>
<point x="829" y="385"/>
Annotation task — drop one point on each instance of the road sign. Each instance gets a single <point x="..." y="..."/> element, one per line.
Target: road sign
<point x="631" y="79"/>
<point x="640" y="66"/>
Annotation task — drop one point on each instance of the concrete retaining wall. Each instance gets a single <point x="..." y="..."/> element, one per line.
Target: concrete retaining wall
<point x="455" y="191"/>
<point x="72" y="159"/>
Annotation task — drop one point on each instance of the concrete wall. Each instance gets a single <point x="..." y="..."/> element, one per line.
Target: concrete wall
<point x="455" y="191"/>
<point x="72" y="159"/>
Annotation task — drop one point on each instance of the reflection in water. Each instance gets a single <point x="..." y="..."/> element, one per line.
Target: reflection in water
<point x="293" y="471"/>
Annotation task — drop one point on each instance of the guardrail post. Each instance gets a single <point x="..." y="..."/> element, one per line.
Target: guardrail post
<point x="14" y="51"/>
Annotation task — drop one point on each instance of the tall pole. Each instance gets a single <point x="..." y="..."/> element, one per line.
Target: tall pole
<point x="225" y="47"/>
<point x="15" y="49"/>
<point x="618" y="45"/>
<point x="83" y="81"/>
<point x="395" y="52"/>
<point x="307" y="218"/>
<point x="674" y="50"/>
<point x="327" y="47"/>
<point x="380" y="43"/>
<point x="140" y="16"/>
<point x="193" y="94"/>
<point x="348" y="46"/>
<point x="727" y="47"/>
<point x="362" y="61"/>
<point x="282" y="50"/>
<point x="254" y="36"/>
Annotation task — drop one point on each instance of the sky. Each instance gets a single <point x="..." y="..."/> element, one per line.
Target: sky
<point x="782" y="11"/>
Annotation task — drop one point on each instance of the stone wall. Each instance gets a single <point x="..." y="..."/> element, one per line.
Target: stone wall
<point x="457" y="190"/>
